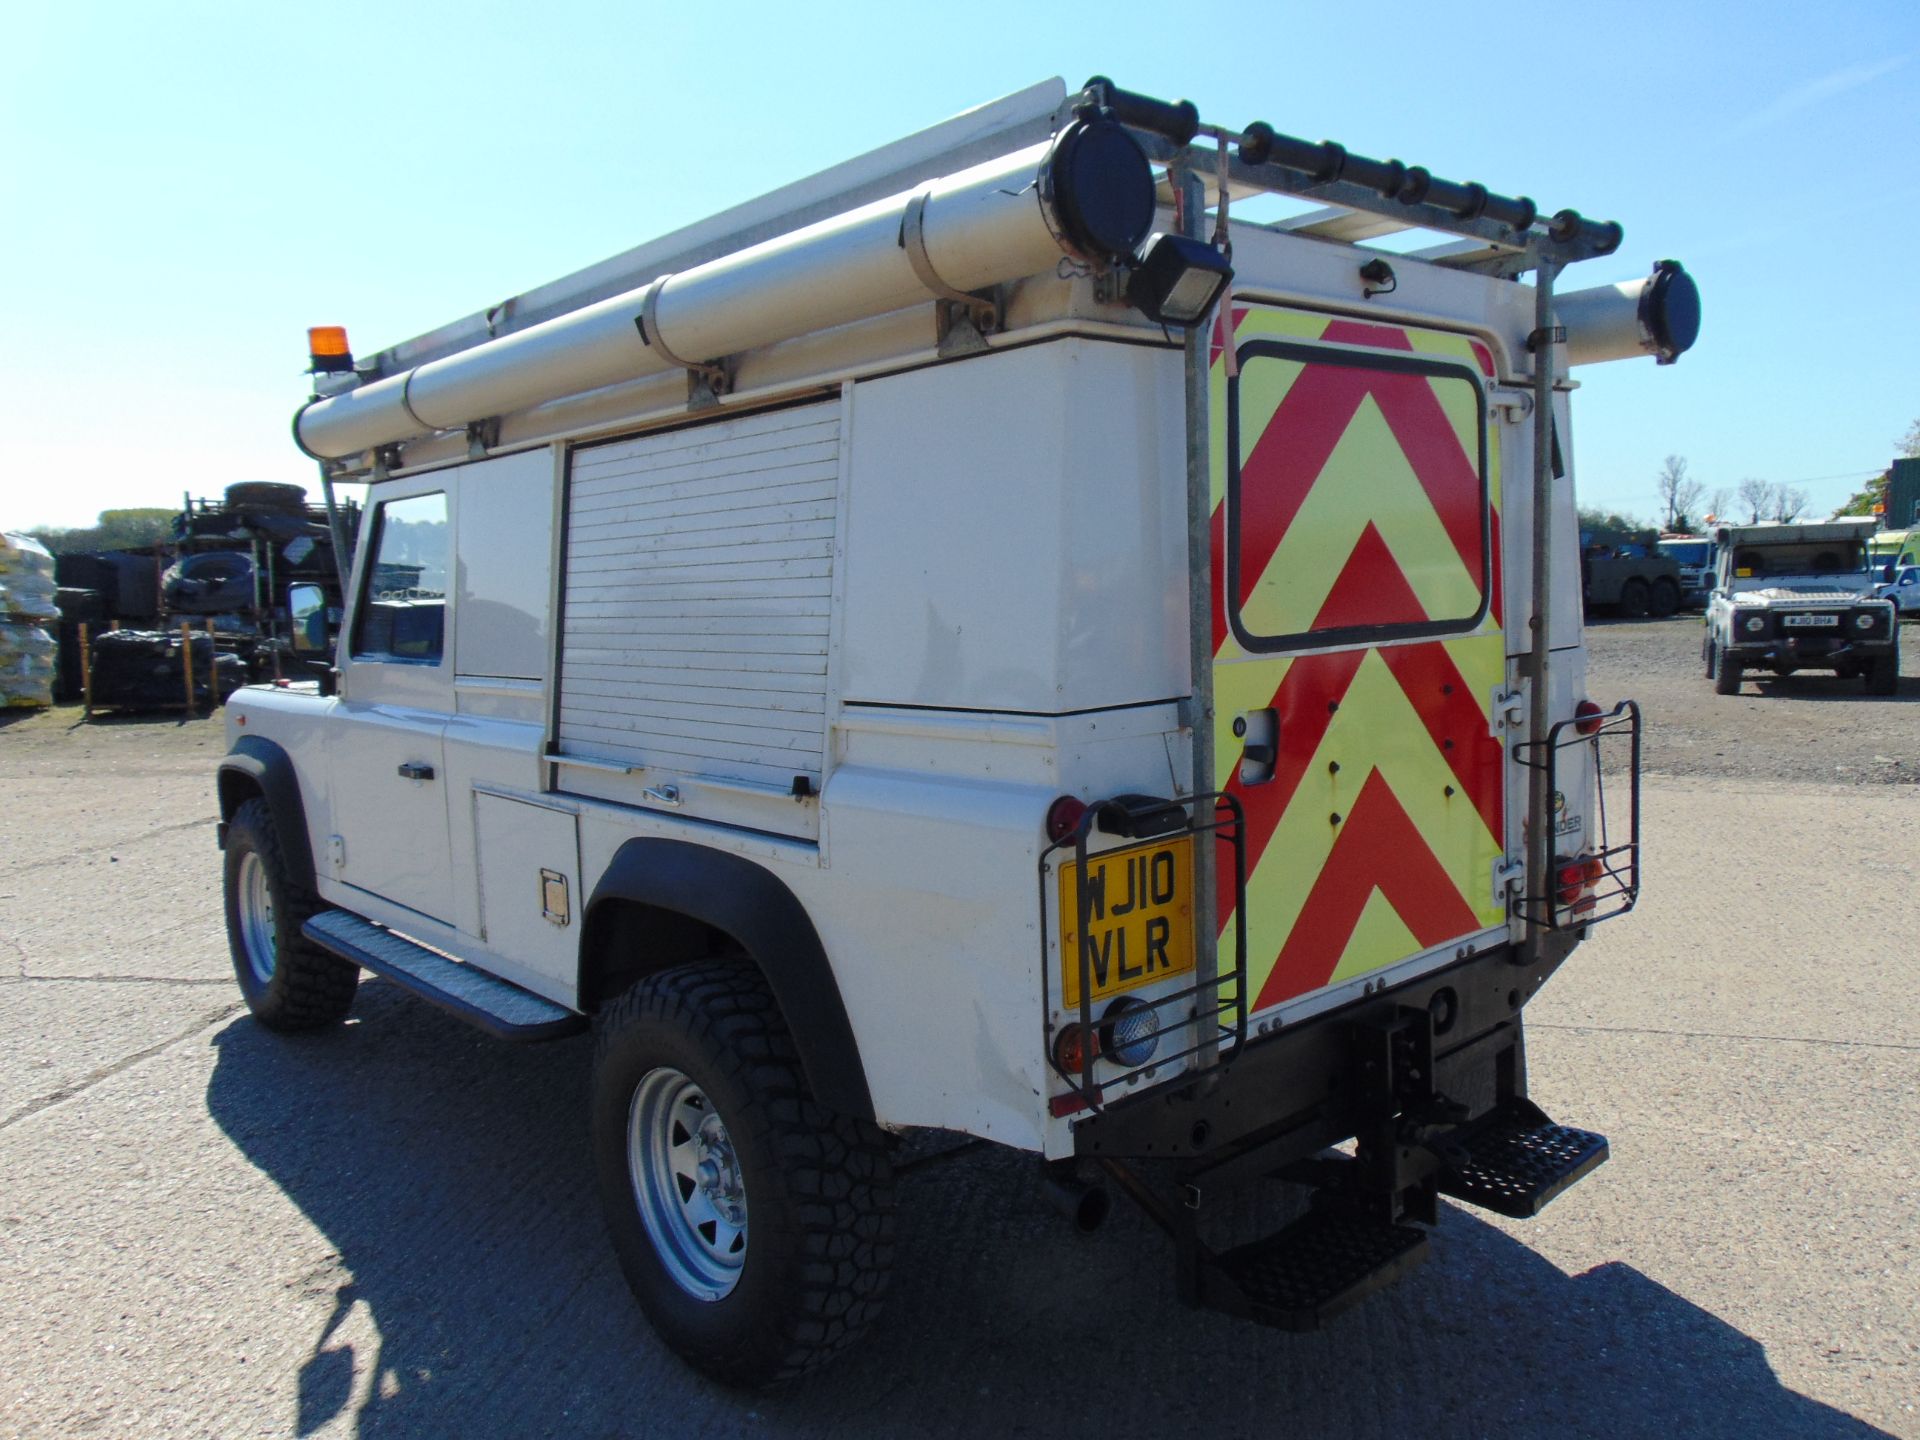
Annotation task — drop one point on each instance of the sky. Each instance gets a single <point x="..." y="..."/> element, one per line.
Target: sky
<point x="185" y="188"/>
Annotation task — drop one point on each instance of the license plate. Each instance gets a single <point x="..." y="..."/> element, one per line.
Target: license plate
<point x="1139" y="919"/>
<point x="1823" y="622"/>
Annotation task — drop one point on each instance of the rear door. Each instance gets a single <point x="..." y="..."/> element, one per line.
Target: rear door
<point x="1358" y="648"/>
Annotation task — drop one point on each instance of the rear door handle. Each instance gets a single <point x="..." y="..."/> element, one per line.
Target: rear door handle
<point x="1259" y="734"/>
<point x="413" y="770"/>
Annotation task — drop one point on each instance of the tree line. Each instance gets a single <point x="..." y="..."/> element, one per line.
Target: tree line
<point x="115" y="530"/>
<point x="1687" y="504"/>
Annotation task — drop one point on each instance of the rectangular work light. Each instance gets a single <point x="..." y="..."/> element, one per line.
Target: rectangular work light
<point x="1177" y="279"/>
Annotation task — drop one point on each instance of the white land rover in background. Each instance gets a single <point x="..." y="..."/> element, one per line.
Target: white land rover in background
<point x="1799" y="597"/>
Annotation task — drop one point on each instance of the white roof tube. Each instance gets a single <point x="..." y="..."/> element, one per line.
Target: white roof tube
<point x="1087" y="193"/>
<point x="1657" y="315"/>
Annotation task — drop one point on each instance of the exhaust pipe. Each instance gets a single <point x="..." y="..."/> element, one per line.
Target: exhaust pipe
<point x="1086" y="1206"/>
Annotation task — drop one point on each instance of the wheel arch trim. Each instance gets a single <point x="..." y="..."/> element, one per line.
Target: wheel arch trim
<point x="754" y="906"/>
<point x="268" y="769"/>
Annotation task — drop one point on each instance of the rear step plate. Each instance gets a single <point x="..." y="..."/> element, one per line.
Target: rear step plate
<point x="1323" y="1263"/>
<point x="1517" y="1160"/>
<point x="497" y="1007"/>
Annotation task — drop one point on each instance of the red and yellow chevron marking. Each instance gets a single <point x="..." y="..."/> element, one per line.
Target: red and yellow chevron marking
<point x="1359" y="505"/>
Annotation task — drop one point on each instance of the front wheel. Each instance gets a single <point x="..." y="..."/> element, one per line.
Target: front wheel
<point x="754" y="1226"/>
<point x="1725" y="670"/>
<point x="1883" y="675"/>
<point x="288" y="982"/>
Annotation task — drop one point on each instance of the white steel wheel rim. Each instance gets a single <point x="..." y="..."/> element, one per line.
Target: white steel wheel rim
<point x="687" y="1183"/>
<point x="256" y="919"/>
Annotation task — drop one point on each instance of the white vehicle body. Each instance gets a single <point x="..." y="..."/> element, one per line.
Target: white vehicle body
<point x="1695" y="554"/>
<point x="1903" y="590"/>
<point x="891" y="645"/>
<point x="1792" y="597"/>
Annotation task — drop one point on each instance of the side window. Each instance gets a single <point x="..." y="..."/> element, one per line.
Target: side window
<point x="1358" y="498"/>
<point x="403" y="614"/>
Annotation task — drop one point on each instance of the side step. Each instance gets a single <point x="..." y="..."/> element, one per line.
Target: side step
<point x="1516" y="1159"/>
<point x="501" y="1009"/>
<point x="1302" y="1276"/>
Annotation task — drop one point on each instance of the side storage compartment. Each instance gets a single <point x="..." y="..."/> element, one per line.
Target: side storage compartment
<point x="695" y="612"/>
<point x="529" y="862"/>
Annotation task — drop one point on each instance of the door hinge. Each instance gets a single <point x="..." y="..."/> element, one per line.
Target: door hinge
<point x="1509" y="710"/>
<point x="337" y="851"/>
<point x="1515" y="406"/>
<point x="1509" y="879"/>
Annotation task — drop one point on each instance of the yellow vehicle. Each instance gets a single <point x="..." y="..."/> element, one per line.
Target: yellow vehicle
<point x="1892" y="550"/>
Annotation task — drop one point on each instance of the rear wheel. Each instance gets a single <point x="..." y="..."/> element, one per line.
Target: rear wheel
<point x="1666" y="598"/>
<point x="289" y="983"/>
<point x="1634" y="599"/>
<point x="754" y="1226"/>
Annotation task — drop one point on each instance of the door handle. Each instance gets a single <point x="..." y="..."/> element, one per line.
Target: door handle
<point x="1259" y="732"/>
<point x="413" y="770"/>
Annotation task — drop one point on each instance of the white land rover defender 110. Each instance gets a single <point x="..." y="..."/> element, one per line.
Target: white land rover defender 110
<point x="954" y="647"/>
<point x="1800" y="597"/>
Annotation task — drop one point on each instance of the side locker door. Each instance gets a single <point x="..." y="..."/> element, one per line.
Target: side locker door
<point x="1358" y="647"/>
<point x="386" y="758"/>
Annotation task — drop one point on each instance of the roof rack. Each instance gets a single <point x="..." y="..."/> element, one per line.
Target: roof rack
<point x="1361" y="200"/>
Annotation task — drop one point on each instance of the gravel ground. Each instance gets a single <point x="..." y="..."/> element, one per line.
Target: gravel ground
<point x="1810" y="726"/>
<point x="389" y="1230"/>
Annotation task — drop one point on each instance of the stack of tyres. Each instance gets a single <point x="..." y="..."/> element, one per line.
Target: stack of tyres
<point x="212" y="582"/>
<point x="78" y="606"/>
<point x="27" y="608"/>
<point x="145" y="670"/>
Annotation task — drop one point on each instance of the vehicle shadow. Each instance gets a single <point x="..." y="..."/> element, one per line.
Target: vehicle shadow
<point x="1598" y="621"/>
<point x="451" y="1175"/>
<point x="1817" y="685"/>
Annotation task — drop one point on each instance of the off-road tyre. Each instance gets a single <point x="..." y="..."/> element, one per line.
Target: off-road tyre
<point x="272" y="496"/>
<point x="1727" y="674"/>
<point x="1634" y="599"/>
<point x="309" y="988"/>
<point x="818" y="1185"/>
<point x="1665" y="598"/>
<point x="1883" y="674"/>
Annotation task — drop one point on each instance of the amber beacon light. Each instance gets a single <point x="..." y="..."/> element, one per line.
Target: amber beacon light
<point x="327" y="348"/>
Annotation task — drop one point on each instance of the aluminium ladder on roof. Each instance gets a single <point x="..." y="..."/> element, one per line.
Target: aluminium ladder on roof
<point x="1351" y="212"/>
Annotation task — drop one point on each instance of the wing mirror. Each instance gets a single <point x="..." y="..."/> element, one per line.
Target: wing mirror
<point x="307" y="607"/>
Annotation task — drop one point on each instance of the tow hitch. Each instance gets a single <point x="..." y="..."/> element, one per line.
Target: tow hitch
<point x="1368" y="1206"/>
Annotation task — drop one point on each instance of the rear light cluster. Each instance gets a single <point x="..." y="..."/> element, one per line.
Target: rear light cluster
<point x="1576" y="880"/>
<point x="1128" y="1035"/>
<point x="1064" y="817"/>
<point x="1588" y="718"/>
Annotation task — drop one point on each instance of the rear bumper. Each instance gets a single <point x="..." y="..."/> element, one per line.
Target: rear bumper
<point x="1290" y="1094"/>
